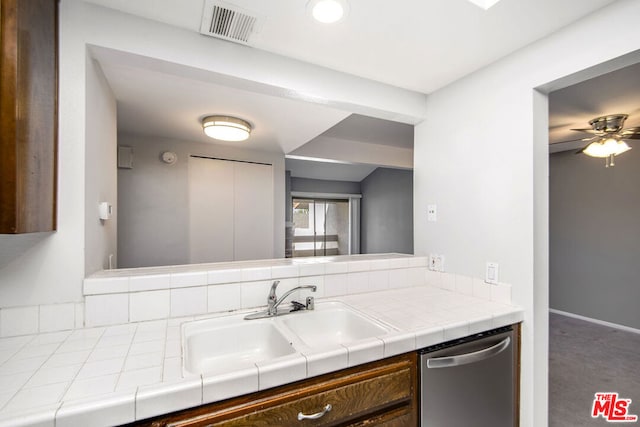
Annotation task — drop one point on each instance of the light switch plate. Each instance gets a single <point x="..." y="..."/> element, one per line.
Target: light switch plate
<point x="491" y="273"/>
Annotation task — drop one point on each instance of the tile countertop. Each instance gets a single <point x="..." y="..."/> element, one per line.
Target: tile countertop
<point x="119" y="374"/>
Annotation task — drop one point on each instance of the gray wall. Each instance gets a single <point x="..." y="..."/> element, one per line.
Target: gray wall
<point x="594" y="237"/>
<point x="324" y="186"/>
<point x="387" y="211"/>
<point x="153" y="199"/>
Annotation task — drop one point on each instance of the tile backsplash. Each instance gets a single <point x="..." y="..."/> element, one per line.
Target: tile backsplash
<point x="211" y="288"/>
<point x="34" y="319"/>
<point x="113" y="297"/>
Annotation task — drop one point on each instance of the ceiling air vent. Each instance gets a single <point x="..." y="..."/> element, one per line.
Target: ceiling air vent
<point x="228" y="22"/>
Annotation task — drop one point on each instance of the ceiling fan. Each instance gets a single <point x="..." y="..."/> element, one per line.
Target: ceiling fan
<point x="609" y="135"/>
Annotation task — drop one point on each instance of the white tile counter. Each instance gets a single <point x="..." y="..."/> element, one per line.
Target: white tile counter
<point x="118" y="374"/>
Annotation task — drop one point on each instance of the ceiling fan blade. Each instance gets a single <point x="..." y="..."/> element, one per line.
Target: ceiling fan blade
<point x="630" y="133"/>
<point x="595" y="132"/>
<point x="581" y="150"/>
<point x="575" y="140"/>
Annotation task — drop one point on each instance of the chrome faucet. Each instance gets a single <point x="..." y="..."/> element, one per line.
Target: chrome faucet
<point x="273" y="302"/>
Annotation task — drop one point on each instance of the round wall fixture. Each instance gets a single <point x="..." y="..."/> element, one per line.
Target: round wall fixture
<point x="226" y="128"/>
<point x="169" y="157"/>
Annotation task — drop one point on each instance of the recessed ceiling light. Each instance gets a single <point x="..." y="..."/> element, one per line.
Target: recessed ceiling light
<point x="328" y="11"/>
<point x="484" y="4"/>
<point x="226" y="128"/>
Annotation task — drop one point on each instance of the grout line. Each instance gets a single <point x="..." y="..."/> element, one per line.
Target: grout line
<point x="83" y="363"/>
<point x="55" y="415"/>
<point x="22" y="387"/>
<point x="164" y="350"/>
<point x="258" y="370"/>
<point x="201" y="389"/>
<point x="135" y="403"/>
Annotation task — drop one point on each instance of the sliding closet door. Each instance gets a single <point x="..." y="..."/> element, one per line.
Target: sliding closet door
<point x="230" y="210"/>
<point x="211" y="198"/>
<point x="253" y="211"/>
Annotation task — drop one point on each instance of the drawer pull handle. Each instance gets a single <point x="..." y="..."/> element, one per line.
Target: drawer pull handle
<point x="315" y="416"/>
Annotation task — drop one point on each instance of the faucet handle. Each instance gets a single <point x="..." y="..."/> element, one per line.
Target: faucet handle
<point x="297" y="306"/>
<point x="272" y="291"/>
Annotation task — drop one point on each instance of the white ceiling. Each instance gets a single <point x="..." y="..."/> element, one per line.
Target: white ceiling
<point x="153" y="103"/>
<point x="420" y="45"/>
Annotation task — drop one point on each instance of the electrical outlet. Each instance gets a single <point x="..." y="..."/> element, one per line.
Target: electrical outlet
<point x="432" y="213"/>
<point x="436" y="262"/>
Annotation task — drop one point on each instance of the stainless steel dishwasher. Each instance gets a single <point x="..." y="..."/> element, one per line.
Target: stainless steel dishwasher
<point x="470" y="381"/>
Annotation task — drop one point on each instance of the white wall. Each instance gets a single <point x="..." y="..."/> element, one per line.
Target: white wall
<point x="480" y="156"/>
<point x="153" y="199"/>
<point x="100" y="170"/>
<point x="49" y="268"/>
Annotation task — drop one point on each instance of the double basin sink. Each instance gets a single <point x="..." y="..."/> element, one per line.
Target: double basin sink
<point x="230" y="343"/>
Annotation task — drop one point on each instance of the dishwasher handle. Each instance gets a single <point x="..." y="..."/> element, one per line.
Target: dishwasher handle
<point x="463" y="359"/>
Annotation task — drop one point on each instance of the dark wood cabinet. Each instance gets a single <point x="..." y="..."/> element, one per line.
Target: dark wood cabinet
<point x="381" y="393"/>
<point x="28" y="115"/>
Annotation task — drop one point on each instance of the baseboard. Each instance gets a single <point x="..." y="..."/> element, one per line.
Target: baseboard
<point x="597" y="321"/>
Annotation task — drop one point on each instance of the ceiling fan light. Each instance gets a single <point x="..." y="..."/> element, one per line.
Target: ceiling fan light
<point x="605" y="147"/>
<point x="596" y="149"/>
<point x="622" y="147"/>
<point x="226" y="128"/>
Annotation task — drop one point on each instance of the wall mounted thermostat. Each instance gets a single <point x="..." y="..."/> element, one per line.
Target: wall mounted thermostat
<point x="169" y="157"/>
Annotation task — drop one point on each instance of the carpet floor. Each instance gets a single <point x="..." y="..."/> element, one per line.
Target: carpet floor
<point x="585" y="358"/>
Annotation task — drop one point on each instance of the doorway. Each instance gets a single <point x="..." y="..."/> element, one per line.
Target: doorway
<point x="321" y="227"/>
<point x="593" y="229"/>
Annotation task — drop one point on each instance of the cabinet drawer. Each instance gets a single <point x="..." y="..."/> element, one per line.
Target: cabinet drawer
<point x="381" y="394"/>
<point x="400" y="417"/>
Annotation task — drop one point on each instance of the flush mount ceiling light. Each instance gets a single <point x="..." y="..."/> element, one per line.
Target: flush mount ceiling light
<point x="484" y="4"/>
<point x="328" y="11"/>
<point x="226" y="128"/>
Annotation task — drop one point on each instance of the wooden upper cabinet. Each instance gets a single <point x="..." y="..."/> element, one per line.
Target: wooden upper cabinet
<point x="28" y="115"/>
